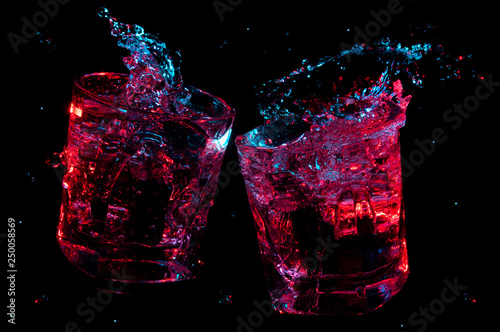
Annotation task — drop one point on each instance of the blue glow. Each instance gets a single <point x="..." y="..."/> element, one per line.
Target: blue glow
<point x="224" y="140"/>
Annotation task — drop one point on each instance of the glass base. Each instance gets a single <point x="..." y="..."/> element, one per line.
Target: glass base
<point x="128" y="270"/>
<point x="353" y="294"/>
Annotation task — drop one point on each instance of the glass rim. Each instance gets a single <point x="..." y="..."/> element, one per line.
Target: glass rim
<point x="383" y="127"/>
<point x="228" y="113"/>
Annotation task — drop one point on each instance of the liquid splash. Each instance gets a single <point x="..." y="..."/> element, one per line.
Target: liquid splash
<point x="335" y="82"/>
<point x="155" y="81"/>
<point x="348" y="94"/>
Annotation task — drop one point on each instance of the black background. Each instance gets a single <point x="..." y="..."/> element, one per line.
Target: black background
<point x="450" y="199"/>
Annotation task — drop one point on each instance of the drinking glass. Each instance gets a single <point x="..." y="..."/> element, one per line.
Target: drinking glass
<point x="138" y="185"/>
<point x="329" y="216"/>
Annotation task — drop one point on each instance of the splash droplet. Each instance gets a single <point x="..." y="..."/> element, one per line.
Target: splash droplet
<point x="224" y="297"/>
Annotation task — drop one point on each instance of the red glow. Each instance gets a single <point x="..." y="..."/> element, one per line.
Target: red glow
<point x="75" y="110"/>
